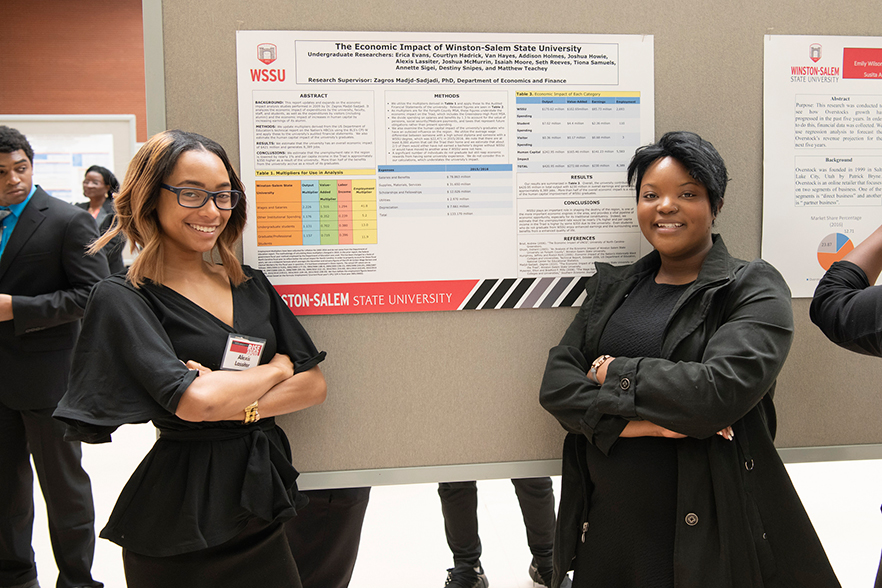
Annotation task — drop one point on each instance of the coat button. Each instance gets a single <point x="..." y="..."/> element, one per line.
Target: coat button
<point x="624" y="383"/>
<point x="692" y="519"/>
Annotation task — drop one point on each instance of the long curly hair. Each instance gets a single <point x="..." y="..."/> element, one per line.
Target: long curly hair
<point x="136" y="215"/>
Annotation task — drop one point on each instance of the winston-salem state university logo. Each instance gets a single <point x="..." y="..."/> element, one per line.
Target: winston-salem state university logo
<point x="814" y="52"/>
<point x="266" y="52"/>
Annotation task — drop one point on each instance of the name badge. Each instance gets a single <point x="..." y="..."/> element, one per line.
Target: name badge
<point x="242" y="352"/>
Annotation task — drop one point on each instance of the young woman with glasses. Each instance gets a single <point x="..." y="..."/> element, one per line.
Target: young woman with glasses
<point x="210" y="353"/>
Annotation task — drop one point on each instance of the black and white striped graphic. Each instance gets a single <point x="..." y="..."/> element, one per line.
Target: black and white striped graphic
<point x="525" y="293"/>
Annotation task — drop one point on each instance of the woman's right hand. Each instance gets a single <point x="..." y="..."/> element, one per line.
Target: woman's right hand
<point x="195" y="365"/>
<point x="648" y="429"/>
<point x="283" y="363"/>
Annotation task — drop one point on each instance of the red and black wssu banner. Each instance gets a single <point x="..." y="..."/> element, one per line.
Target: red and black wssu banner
<point x="370" y="297"/>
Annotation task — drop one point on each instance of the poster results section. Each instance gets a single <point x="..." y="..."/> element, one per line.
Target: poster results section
<point x="401" y="172"/>
<point x="822" y="179"/>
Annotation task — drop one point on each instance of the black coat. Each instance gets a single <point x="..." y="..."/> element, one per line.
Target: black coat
<point x="740" y="523"/>
<point x="114" y="249"/>
<point x="107" y="209"/>
<point x="848" y="309"/>
<point x="46" y="270"/>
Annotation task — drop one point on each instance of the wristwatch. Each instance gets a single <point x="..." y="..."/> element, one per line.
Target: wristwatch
<point x="595" y="365"/>
<point x="251" y="414"/>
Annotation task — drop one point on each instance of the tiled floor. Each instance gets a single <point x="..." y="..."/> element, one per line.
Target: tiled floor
<point x="403" y="539"/>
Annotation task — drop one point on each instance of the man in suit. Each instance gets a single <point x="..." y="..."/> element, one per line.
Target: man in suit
<point x="45" y="279"/>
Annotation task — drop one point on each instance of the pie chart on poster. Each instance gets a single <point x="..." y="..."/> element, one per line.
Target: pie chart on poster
<point x="833" y="248"/>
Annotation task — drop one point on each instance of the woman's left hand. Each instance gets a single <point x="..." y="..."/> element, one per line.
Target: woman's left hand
<point x="728" y="433"/>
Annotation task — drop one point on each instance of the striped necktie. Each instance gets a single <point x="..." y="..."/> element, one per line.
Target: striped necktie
<point x="3" y="215"/>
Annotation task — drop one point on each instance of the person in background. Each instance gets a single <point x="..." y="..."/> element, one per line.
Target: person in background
<point x="210" y="353"/>
<point x="324" y="536"/>
<point x="45" y="279"/>
<point x="664" y="383"/>
<point x="99" y="186"/>
<point x="847" y="307"/>
<point x="459" y="505"/>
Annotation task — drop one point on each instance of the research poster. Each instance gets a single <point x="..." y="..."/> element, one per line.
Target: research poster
<point x="61" y="161"/>
<point x="407" y="172"/>
<point x="822" y="164"/>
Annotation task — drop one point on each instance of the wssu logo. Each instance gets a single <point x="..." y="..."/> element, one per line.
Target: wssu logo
<point x="267" y="53"/>
<point x="267" y="75"/>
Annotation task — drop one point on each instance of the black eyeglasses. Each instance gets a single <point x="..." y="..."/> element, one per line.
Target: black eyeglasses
<point x="197" y="197"/>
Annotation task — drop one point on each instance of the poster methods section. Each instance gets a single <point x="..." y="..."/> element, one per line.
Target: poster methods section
<point x="822" y="186"/>
<point x="401" y="172"/>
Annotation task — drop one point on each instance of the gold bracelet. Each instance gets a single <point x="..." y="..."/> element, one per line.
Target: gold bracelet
<point x="251" y="413"/>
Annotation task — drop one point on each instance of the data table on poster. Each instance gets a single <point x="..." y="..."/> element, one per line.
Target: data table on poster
<point x="445" y="190"/>
<point x="576" y="133"/>
<point x="316" y="212"/>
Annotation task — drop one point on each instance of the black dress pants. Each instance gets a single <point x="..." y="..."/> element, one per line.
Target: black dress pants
<point x="67" y="491"/>
<point x="459" y="505"/>
<point x="324" y="536"/>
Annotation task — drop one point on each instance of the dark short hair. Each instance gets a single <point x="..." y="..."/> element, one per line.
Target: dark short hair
<point x="109" y="179"/>
<point x="12" y="140"/>
<point x="698" y="156"/>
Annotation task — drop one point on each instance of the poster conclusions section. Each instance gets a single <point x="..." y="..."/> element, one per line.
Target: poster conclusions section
<point x="407" y="172"/>
<point x="822" y="179"/>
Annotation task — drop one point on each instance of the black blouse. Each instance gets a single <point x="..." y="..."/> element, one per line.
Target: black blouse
<point x="630" y="537"/>
<point x="201" y="483"/>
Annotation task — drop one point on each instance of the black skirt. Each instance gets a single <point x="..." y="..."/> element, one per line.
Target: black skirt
<point x="258" y="556"/>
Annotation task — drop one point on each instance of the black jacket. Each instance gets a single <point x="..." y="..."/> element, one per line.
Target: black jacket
<point x="114" y="249"/>
<point x="848" y="309"/>
<point x="740" y="521"/>
<point x="46" y="270"/>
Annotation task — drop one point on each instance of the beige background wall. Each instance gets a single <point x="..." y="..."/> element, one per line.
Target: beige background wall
<point x="461" y="387"/>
